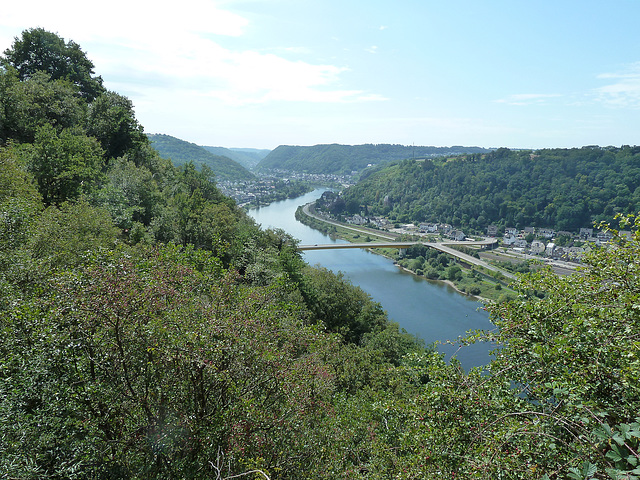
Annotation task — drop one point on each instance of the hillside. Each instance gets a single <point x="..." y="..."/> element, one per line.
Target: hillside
<point x="344" y="159"/>
<point x="565" y="189"/>
<point x="181" y="152"/>
<point x="247" y="157"/>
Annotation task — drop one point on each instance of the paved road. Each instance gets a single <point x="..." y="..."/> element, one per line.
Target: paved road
<point x="306" y="211"/>
<point x="442" y="246"/>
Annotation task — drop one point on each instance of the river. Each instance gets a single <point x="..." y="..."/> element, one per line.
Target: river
<point x="433" y="311"/>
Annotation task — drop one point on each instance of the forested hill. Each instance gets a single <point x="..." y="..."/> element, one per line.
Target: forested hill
<point x="247" y="157"/>
<point x="344" y="159"/>
<point x="181" y="152"/>
<point x="563" y="189"/>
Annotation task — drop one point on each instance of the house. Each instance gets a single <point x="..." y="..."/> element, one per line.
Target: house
<point x="586" y="233"/>
<point x="550" y="250"/>
<point x="547" y="232"/>
<point x="492" y="230"/>
<point x="604" y="236"/>
<point x="520" y="243"/>
<point x="429" y="227"/>
<point x="537" y="247"/>
<point x="511" y="231"/>
<point x="528" y="230"/>
<point x="357" y="220"/>
<point x="508" y="239"/>
<point x="458" y="235"/>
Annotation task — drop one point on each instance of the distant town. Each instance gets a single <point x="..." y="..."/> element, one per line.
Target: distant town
<point x="264" y="190"/>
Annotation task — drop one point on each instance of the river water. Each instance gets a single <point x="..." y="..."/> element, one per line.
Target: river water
<point x="433" y="311"/>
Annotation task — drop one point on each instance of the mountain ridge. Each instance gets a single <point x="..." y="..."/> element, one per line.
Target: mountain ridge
<point x="181" y="152"/>
<point x="344" y="159"/>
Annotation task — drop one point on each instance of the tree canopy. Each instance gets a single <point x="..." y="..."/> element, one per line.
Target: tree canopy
<point x="565" y="189"/>
<point x="38" y="50"/>
<point x="181" y="152"/>
<point x="344" y="159"/>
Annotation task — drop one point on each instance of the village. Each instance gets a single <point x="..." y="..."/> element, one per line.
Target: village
<point x="542" y="242"/>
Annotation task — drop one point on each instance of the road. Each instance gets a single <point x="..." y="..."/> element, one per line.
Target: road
<point x="441" y="246"/>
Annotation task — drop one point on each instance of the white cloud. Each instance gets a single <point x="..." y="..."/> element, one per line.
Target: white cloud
<point x="624" y="91"/>
<point x="181" y="47"/>
<point x="372" y="49"/>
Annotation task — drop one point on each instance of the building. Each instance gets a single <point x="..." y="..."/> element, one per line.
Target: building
<point x="586" y="233"/>
<point x="537" y="247"/>
<point x="547" y="232"/>
<point x="520" y="243"/>
<point x="550" y="250"/>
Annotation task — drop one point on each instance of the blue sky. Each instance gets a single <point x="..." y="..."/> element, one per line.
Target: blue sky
<point x="263" y="73"/>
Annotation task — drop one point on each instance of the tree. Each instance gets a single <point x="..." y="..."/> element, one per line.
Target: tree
<point x="161" y="365"/>
<point x="41" y="51"/>
<point x="37" y="101"/>
<point x="574" y="358"/>
<point x="65" y="165"/>
<point x="112" y="121"/>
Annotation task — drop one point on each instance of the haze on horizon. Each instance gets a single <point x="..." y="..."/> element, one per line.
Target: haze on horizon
<point x="257" y="73"/>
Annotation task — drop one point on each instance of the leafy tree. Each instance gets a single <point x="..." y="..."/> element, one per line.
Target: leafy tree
<point x="64" y="164"/>
<point x="63" y="236"/>
<point x="162" y="366"/>
<point x="35" y="102"/>
<point x="38" y="50"/>
<point x="342" y="307"/>
<point x="112" y="121"/>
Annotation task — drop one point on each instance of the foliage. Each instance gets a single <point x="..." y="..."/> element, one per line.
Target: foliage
<point x="181" y="152"/>
<point x="161" y="368"/>
<point x="38" y="50"/>
<point x="247" y="157"/>
<point x="344" y="159"/>
<point x="112" y="122"/>
<point x="36" y="102"/>
<point x="565" y="189"/>
<point x="64" y="165"/>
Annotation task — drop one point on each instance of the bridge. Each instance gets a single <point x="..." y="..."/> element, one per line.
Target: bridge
<point x="441" y="246"/>
<point x="445" y="247"/>
<point x="330" y="246"/>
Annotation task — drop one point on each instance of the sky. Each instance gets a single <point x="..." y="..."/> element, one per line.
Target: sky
<point x="263" y="73"/>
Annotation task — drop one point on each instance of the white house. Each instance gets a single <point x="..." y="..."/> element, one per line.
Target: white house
<point x="458" y="235"/>
<point x="550" y="248"/>
<point x="537" y="247"/>
<point x="508" y="239"/>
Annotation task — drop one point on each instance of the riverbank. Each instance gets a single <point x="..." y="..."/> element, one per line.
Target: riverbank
<point x="431" y="310"/>
<point x="485" y="283"/>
